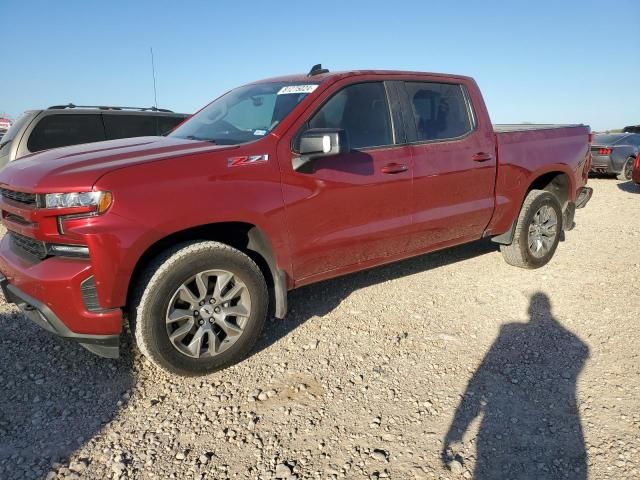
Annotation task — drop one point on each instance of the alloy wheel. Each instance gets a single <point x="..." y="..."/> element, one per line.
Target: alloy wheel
<point x="207" y="313"/>
<point x="542" y="231"/>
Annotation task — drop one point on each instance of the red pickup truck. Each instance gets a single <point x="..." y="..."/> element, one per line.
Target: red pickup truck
<point x="196" y="237"/>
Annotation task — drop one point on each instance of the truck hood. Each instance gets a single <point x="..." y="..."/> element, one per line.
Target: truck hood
<point x="77" y="168"/>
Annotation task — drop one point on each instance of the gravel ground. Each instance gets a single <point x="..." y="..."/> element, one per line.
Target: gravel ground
<point x="450" y="365"/>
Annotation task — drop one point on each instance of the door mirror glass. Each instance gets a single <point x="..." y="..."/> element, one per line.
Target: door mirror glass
<point x="321" y="142"/>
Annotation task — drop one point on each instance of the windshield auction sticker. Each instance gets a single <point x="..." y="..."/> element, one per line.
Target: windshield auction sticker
<point x="297" y="89"/>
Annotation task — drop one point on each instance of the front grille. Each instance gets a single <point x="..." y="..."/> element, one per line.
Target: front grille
<point x="30" y="246"/>
<point x="90" y="295"/>
<point x="20" y="197"/>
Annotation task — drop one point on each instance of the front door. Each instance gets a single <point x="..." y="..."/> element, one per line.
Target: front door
<point x="354" y="207"/>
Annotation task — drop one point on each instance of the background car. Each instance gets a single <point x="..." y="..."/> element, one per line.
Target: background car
<point x="631" y="129"/>
<point x="614" y="153"/>
<point x="65" y="125"/>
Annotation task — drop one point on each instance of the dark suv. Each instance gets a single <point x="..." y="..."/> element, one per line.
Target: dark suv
<point x="65" y="125"/>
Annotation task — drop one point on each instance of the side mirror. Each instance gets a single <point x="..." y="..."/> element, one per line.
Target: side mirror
<point x="321" y="142"/>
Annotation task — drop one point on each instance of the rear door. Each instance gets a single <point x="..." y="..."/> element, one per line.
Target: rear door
<point x="354" y="207"/>
<point x="454" y="164"/>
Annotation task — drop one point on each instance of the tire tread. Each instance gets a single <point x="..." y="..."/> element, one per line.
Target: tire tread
<point x="513" y="253"/>
<point x="153" y="274"/>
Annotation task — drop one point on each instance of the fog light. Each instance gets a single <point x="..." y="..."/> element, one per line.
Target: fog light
<point x="76" y="251"/>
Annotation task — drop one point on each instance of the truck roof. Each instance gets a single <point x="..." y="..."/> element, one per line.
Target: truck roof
<point x="322" y="77"/>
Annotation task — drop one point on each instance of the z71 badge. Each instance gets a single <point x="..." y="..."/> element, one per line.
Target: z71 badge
<point x="247" y="160"/>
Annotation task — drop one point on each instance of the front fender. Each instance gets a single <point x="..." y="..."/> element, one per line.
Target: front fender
<point x="154" y="201"/>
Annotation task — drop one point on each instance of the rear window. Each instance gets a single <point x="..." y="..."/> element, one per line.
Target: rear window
<point x="166" y="124"/>
<point x="611" y="139"/>
<point x="633" y="139"/>
<point x="60" y="130"/>
<point x="440" y="110"/>
<point x="126" y="126"/>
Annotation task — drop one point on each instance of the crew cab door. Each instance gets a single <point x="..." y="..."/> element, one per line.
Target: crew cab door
<point x="352" y="207"/>
<point x="453" y="151"/>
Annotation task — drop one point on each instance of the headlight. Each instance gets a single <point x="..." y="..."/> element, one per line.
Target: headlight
<point x="100" y="200"/>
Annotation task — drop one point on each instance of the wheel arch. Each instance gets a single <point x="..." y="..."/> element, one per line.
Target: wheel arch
<point x="246" y="237"/>
<point x="557" y="180"/>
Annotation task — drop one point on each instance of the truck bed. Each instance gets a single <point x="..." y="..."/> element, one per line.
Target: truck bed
<point x="525" y="152"/>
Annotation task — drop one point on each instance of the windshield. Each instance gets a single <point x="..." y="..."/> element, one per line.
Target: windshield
<point x="15" y="128"/>
<point x="244" y="114"/>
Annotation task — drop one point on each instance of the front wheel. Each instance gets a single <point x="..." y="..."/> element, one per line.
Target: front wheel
<point x="537" y="231"/>
<point x="198" y="308"/>
<point x="627" y="170"/>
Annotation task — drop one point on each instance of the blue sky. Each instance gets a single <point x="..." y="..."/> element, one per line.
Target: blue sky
<point x="536" y="61"/>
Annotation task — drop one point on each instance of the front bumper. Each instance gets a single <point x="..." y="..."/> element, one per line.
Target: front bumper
<point x="104" y="345"/>
<point x="49" y="293"/>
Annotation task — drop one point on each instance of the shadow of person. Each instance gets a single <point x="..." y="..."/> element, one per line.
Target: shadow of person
<point x="525" y="391"/>
<point x="54" y="397"/>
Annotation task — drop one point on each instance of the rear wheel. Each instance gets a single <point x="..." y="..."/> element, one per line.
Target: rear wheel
<point x="199" y="307"/>
<point x="537" y="231"/>
<point x="627" y="170"/>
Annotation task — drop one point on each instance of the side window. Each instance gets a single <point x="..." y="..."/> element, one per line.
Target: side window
<point x="62" y="130"/>
<point x="126" y="126"/>
<point x="440" y="110"/>
<point x="362" y="111"/>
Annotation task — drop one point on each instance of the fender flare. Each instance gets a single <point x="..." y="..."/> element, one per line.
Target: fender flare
<point x="259" y="243"/>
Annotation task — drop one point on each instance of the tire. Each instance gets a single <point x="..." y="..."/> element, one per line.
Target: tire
<point x="168" y="301"/>
<point x="520" y="253"/>
<point x="627" y="170"/>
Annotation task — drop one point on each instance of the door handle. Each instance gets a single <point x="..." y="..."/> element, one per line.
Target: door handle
<point x="391" y="168"/>
<point x="482" y="157"/>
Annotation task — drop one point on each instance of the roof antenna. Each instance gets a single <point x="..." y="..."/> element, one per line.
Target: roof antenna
<point x="153" y="70"/>
<point x="317" y="70"/>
